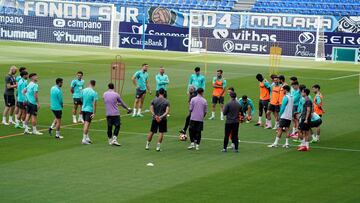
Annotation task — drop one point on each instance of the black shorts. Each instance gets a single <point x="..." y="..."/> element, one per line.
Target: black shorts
<point x="87" y="116"/>
<point x="216" y="100"/>
<point x="264" y="103"/>
<point x="58" y="114"/>
<point x="21" y="105"/>
<point x="155" y="126"/>
<point x="295" y="110"/>
<point x="197" y="126"/>
<point x="304" y="126"/>
<point x="157" y="93"/>
<point x="9" y="100"/>
<point x="284" y="123"/>
<point x="274" y="108"/>
<point x="77" y="101"/>
<point x="140" y="93"/>
<point x="315" y="124"/>
<point x="113" y="120"/>
<point x="31" y="109"/>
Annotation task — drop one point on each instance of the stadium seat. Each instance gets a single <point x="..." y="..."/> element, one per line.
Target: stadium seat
<point x="322" y="7"/>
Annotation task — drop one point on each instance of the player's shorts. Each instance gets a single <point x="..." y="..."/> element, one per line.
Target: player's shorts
<point x="157" y="93"/>
<point x="274" y="108"/>
<point x="21" y="105"/>
<point x="284" y="123"/>
<point x="31" y="109"/>
<point x="216" y="100"/>
<point x="264" y="103"/>
<point x="9" y="100"/>
<point x="155" y="126"/>
<point x="87" y="116"/>
<point x="140" y="93"/>
<point x="315" y="124"/>
<point x="295" y="110"/>
<point x="57" y="114"/>
<point x="304" y="126"/>
<point x="197" y="126"/>
<point x="77" y="101"/>
<point x="113" y="120"/>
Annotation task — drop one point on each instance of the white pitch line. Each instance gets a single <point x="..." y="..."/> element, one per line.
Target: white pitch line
<point x="346" y="76"/>
<point x="214" y="139"/>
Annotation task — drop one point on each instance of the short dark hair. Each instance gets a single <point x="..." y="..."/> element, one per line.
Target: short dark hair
<point x="80" y="72"/>
<point x="197" y="69"/>
<point x="306" y="91"/>
<point x="221" y="71"/>
<point x="316" y="86"/>
<point x="301" y="87"/>
<point x="259" y="77"/>
<point x="111" y="86"/>
<point x="144" y="64"/>
<point x="93" y="82"/>
<point x="233" y="95"/>
<point x="22" y="73"/>
<point x="287" y="88"/>
<point x="58" y="80"/>
<point x="21" y="69"/>
<point x="32" y="74"/>
<point x="244" y="97"/>
<point x="272" y="76"/>
<point x="293" y="78"/>
<point x="232" y="89"/>
<point x="295" y="83"/>
<point x="200" y="90"/>
<point x="282" y="77"/>
<point x="161" y="91"/>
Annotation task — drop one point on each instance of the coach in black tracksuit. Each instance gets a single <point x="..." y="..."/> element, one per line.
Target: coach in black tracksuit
<point x="232" y="110"/>
<point x="192" y="94"/>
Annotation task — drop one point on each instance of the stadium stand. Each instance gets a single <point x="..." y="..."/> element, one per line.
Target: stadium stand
<point x="221" y="5"/>
<point x="310" y="7"/>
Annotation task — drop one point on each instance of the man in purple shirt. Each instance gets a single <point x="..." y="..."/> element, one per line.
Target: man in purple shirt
<point x="112" y="100"/>
<point x="198" y="109"/>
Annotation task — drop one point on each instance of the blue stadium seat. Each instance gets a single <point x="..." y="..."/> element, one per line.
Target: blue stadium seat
<point x="318" y="7"/>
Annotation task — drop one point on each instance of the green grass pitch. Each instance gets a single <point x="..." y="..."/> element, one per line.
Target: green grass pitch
<point x="42" y="169"/>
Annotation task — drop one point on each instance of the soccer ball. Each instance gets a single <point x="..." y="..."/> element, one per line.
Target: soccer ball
<point x="182" y="137"/>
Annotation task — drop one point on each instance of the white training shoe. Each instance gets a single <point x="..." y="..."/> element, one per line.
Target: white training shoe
<point x="222" y="118"/>
<point x="81" y="120"/>
<point x="59" y="137"/>
<point x="287" y="146"/>
<point x="37" y="133"/>
<point x="110" y="141"/>
<point x="84" y="142"/>
<point x="158" y="149"/>
<point x="212" y="118"/>
<point x="115" y="142"/>
<point x="273" y="145"/>
<point x="88" y="140"/>
<point x="191" y="146"/>
<point x="74" y="121"/>
<point x="5" y="123"/>
<point x="27" y="132"/>
<point x="197" y="147"/>
<point x="147" y="146"/>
